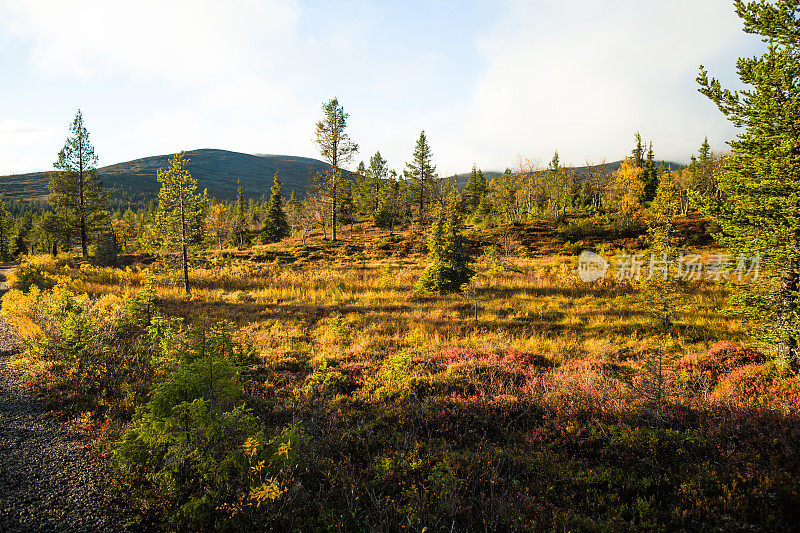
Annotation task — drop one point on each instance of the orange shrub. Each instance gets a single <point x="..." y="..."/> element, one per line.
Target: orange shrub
<point x="759" y="386"/>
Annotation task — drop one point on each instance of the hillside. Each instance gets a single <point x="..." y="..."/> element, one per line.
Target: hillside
<point x="216" y="170"/>
<point x="613" y="166"/>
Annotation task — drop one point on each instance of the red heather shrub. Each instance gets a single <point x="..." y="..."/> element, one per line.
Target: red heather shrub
<point x="509" y="360"/>
<point x="585" y="385"/>
<point x="490" y="372"/>
<point x="721" y="359"/>
<point x="759" y="386"/>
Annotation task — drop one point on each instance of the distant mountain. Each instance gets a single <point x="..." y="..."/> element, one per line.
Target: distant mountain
<point x="462" y="178"/>
<point x="215" y="170"/>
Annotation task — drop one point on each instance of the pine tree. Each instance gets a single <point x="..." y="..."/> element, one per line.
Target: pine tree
<point x="179" y="208"/>
<point x="22" y="231"/>
<point x="336" y="148"/>
<point x="421" y="172"/>
<point x="759" y="201"/>
<point x="275" y="225"/>
<point x="447" y="268"/>
<point x="387" y="213"/>
<point x="76" y="193"/>
<point x="378" y="172"/>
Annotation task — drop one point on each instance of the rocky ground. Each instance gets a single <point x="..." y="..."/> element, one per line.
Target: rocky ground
<point x="50" y="477"/>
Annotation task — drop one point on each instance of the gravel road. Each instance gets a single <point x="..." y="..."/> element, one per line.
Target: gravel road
<point x="50" y="479"/>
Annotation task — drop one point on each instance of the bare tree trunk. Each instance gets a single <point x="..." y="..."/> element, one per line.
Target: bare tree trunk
<point x="184" y="252"/>
<point x="333" y="203"/>
<point x="82" y="202"/>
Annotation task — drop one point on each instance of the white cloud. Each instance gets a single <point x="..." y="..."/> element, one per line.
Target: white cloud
<point x="582" y="77"/>
<point x="250" y="75"/>
<point x="19" y="142"/>
<point x="183" y="41"/>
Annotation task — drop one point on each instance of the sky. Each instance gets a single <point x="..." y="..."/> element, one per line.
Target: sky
<point x="488" y="81"/>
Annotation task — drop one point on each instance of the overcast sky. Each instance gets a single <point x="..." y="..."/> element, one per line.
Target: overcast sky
<point x="487" y="81"/>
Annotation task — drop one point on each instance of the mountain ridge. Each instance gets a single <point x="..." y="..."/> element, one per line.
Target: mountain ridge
<point x="215" y="169"/>
<point x="219" y="171"/>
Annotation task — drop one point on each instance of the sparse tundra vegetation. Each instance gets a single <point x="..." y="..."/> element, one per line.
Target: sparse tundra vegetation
<point x="393" y="349"/>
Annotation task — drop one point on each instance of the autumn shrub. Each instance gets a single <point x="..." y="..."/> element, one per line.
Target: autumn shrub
<point x="490" y="373"/>
<point x="81" y="350"/>
<point x="29" y="275"/>
<point x="596" y="226"/>
<point x="185" y="444"/>
<point x="701" y="371"/>
<point x="759" y="386"/>
<point x="584" y="386"/>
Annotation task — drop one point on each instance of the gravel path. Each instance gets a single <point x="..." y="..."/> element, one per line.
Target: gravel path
<point x="50" y="479"/>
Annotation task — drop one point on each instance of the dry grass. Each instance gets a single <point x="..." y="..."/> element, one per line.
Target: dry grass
<point x="538" y="305"/>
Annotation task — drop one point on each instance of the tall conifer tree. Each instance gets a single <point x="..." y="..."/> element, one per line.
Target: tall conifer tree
<point x="650" y="175"/>
<point x="179" y="206"/>
<point x="275" y="225"/>
<point x="759" y="202"/>
<point x="76" y="193"/>
<point x="421" y="171"/>
<point x="336" y="149"/>
<point x="378" y="172"/>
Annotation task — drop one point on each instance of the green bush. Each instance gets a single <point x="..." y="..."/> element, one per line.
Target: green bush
<point x="186" y="443"/>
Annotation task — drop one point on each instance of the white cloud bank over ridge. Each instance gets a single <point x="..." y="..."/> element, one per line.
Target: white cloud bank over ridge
<point x="578" y="76"/>
<point x="582" y="77"/>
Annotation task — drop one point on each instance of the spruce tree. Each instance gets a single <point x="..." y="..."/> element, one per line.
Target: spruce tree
<point x="448" y="259"/>
<point x="702" y="169"/>
<point x="637" y="154"/>
<point x="475" y="190"/>
<point x="76" y="193"/>
<point x="363" y="189"/>
<point x="275" y="225"/>
<point x="421" y="172"/>
<point x="650" y="175"/>
<point x="759" y="201"/>
<point x="240" y="234"/>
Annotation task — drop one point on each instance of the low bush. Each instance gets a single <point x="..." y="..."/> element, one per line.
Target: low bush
<point x="701" y="371"/>
<point x="759" y="386"/>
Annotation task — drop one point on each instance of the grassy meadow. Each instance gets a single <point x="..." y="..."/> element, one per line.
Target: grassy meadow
<point x="361" y="405"/>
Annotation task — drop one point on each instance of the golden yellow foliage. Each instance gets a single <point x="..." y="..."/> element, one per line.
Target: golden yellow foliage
<point x="626" y="189"/>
